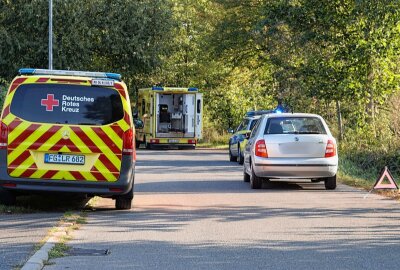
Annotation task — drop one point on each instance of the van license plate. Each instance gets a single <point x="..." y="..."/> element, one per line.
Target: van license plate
<point x="173" y="141"/>
<point x="64" y="159"/>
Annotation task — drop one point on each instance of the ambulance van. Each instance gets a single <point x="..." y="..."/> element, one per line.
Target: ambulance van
<point x="69" y="132"/>
<point x="169" y="116"/>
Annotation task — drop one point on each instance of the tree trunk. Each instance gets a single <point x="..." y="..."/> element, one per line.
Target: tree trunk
<point x="339" y="118"/>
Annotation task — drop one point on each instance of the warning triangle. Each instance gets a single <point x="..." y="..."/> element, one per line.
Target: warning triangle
<point x="379" y="184"/>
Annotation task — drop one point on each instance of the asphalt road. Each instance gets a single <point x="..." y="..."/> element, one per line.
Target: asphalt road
<point x="20" y="232"/>
<point x="18" y="235"/>
<point x="193" y="211"/>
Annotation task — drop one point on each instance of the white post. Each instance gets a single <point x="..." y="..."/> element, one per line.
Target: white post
<point x="50" y="34"/>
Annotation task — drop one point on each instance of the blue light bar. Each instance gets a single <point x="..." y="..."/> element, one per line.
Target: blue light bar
<point x="33" y="71"/>
<point x="261" y="112"/>
<point x="157" y="88"/>
<point x="26" y="71"/>
<point x="114" y="76"/>
<point x="193" y="89"/>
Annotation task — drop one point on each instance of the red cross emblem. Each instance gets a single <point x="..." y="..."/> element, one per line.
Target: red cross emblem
<point x="50" y="102"/>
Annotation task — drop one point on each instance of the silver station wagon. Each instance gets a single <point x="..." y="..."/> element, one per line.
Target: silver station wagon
<point x="290" y="146"/>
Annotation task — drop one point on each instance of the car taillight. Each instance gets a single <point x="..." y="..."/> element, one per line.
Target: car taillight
<point x="191" y="141"/>
<point x="3" y="135"/>
<point x="330" y="149"/>
<point x="261" y="149"/>
<point x="154" y="141"/>
<point x="129" y="144"/>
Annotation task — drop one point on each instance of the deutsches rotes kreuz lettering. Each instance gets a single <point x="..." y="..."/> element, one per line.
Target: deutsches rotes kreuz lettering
<point x="72" y="103"/>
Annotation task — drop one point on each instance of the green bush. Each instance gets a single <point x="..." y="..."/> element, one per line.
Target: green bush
<point x="364" y="156"/>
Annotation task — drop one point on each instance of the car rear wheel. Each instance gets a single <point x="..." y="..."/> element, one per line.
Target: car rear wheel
<point x="240" y="157"/>
<point x="330" y="182"/>
<point x="7" y="197"/>
<point x="255" y="181"/>
<point x="246" y="176"/>
<point x="231" y="157"/>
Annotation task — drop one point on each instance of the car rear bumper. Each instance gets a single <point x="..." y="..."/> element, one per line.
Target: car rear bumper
<point x="107" y="189"/>
<point x="296" y="168"/>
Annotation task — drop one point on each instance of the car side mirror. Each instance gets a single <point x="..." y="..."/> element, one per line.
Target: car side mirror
<point x="247" y="134"/>
<point x="138" y="123"/>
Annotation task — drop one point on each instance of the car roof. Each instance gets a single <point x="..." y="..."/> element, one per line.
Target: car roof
<point x="252" y="117"/>
<point x="293" y="115"/>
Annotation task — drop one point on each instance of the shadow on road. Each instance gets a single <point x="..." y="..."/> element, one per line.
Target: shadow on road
<point x="319" y="254"/>
<point x="45" y="203"/>
<point x="219" y="186"/>
<point x="171" y="217"/>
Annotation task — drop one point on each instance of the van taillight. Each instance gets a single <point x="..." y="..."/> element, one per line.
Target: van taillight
<point x="261" y="149"/>
<point x="330" y="149"/>
<point x="129" y="144"/>
<point x="3" y="135"/>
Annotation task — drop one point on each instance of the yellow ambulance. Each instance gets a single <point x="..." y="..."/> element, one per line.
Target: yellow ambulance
<point x="169" y="116"/>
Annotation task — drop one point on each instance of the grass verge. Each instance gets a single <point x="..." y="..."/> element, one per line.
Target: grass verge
<point x="70" y="222"/>
<point x="58" y="251"/>
<point x="15" y="209"/>
<point x="211" y="145"/>
<point x="45" y="203"/>
<point x="352" y="175"/>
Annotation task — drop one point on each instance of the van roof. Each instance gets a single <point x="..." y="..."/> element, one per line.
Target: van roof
<point x="105" y="75"/>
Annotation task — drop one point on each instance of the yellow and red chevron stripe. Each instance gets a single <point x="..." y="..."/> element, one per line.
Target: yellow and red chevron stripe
<point x="28" y="142"/>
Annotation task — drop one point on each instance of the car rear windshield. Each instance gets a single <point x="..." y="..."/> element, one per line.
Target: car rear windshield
<point x="67" y="104"/>
<point x="294" y="125"/>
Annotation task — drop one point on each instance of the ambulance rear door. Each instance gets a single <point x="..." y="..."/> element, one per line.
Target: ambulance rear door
<point x="189" y="114"/>
<point x="199" y="115"/>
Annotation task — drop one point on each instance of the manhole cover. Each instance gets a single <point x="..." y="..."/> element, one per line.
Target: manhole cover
<point x="87" y="252"/>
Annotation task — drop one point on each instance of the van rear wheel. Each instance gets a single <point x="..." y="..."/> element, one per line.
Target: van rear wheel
<point x="7" y="197"/>
<point x="124" y="202"/>
<point x="146" y="144"/>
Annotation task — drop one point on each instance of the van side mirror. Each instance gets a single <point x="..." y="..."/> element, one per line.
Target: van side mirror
<point x="138" y="123"/>
<point x="247" y="134"/>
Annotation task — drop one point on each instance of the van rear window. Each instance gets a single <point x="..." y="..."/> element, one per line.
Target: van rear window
<point x="67" y="104"/>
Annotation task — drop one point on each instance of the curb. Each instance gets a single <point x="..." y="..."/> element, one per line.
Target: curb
<point x="36" y="262"/>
